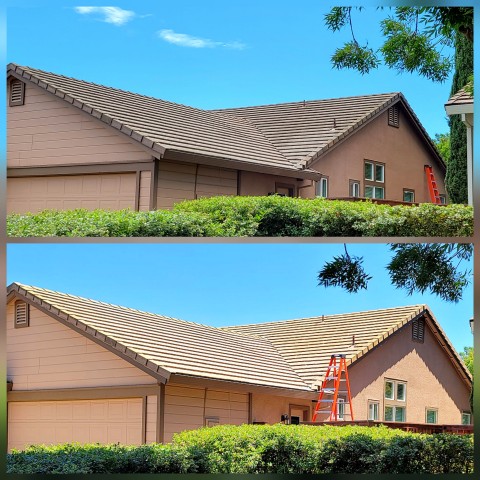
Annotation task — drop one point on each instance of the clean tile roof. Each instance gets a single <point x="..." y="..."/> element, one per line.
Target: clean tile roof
<point x="287" y="136"/>
<point x="291" y="354"/>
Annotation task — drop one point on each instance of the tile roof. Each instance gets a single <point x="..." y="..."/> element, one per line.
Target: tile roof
<point x="307" y="343"/>
<point x="175" y="346"/>
<point x="288" y="136"/>
<point x="460" y="98"/>
<point x="290" y="354"/>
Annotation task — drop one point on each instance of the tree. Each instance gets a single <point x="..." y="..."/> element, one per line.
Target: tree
<point x="414" y="38"/>
<point x="442" y="142"/>
<point x="456" y="177"/>
<point x="467" y="357"/>
<point x="414" y="267"/>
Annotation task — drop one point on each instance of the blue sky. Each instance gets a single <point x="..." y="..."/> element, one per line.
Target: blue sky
<point x="209" y="54"/>
<point x="222" y="284"/>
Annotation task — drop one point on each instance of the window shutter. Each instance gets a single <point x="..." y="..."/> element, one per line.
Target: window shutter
<point x="17" y="93"/>
<point x="393" y="119"/>
<point x="418" y="330"/>
<point x="22" y="314"/>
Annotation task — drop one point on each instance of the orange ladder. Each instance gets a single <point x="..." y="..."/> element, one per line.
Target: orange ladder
<point x="335" y="375"/>
<point x="432" y="185"/>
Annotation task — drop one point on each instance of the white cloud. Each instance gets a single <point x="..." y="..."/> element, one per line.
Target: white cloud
<point x="115" y="15"/>
<point x="184" y="40"/>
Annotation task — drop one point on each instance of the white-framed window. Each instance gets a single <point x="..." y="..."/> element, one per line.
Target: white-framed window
<point x="375" y="172"/>
<point x="373" y="410"/>
<point x="466" y="418"/>
<point x="394" y="413"/>
<point x="321" y="187"/>
<point x="374" y="192"/>
<point x="408" y="195"/>
<point x="354" y="188"/>
<point x="341" y="408"/>
<point x="395" y="390"/>
<point x="443" y="199"/>
<point x="431" y="415"/>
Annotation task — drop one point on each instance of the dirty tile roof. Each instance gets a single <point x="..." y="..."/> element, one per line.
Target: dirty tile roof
<point x="307" y="343"/>
<point x="175" y="346"/>
<point x="287" y="136"/>
<point x="291" y="354"/>
<point x="460" y="98"/>
<point x="300" y="130"/>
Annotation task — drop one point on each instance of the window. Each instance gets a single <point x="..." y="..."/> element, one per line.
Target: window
<point x="393" y="117"/>
<point x="17" y="93"/>
<point x="341" y="409"/>
<point x="431" y="415"/>
<point x="374" y="180"/>
<point x="389" y="390"/>
<point x="374" y="192"/>
<point x="394" y="413"/>
<point x="321" y="188"/>
<point x="395" y="398"/>
<point x="466" y="418"/>
<point x="22" y="314"/>
<point x="408" y="196"/>
<point x="443" y="199"/>
<point x="373" y="408"/>
<point x="418" y="330"/>
<point x="354" y="188"/>
<point x="401" y="390"/>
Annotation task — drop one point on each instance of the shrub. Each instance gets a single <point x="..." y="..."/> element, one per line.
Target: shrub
<point x="261" y="449"/>
<point x="252" y="217"/>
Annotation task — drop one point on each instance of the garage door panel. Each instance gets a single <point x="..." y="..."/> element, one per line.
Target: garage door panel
<point x="84" y="421"/>
<point x="113" y="191"/>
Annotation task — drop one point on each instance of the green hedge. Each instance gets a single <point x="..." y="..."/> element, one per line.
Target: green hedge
<point x="262" y="449"/>
<point x="252" y="217"/>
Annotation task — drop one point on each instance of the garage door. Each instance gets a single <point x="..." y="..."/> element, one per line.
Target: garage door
<point x="109" y="191"/>
<point x="84" y="421"/>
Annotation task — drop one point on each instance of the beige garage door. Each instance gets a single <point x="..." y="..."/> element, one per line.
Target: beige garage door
<point x="84" y="421"/>
<point x="109" y="191"/>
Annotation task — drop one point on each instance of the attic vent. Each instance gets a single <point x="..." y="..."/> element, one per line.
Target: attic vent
<point x="22" y="314"/>
<point x="17" y="93"/>
<point x="393" y="119"/>
<point x="418" y="330"/>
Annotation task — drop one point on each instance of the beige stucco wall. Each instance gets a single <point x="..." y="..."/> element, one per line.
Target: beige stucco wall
<point x="430" y="376"/>
<point x="400" y="149"/>
<point x="186" y="407"/>
<point x="254" y="183"/>
<point x="178" y="181"/>
<point x="47" y="131"/>
<point x="49" y="355"/>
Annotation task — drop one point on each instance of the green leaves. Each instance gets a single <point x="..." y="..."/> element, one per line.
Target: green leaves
<point x="414" y="38"/>
<point x="346" y="272"/>
<point x="418" y="267"/>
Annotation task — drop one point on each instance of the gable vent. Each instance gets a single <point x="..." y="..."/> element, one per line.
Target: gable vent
<point x="393" y="119"/>
<point x="418" y="330"/>
<point x="17" y="93"/>
<point x="22" y="314"/>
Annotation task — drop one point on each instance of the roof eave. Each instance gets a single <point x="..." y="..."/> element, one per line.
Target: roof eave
<point x="459" y="108"/>
<point x="161" y="374"/>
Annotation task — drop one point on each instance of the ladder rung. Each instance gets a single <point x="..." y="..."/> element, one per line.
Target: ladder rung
<point x="326" y="401"/>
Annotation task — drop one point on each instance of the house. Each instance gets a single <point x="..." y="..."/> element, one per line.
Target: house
<point x="462" y="104"/>
<point x="75" y="144"/>
<point x="86" y="371"/>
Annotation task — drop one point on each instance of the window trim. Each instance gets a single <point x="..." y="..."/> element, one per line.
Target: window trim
<point x="394" y="413"/>
<point x="341" y="401"/>
<point x="409" y="190"/>
<point x="465" y="412"/>
<point x="372" y="182"/>
<point x="404" y="399"/>
<point x="319" y="187"/>
<point x="431" y="409"/>
<point x="351" y="183"/>
<point x="372" y="403"/>
<point x="385" y="389"/>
